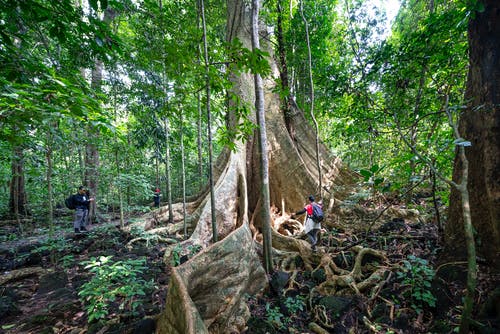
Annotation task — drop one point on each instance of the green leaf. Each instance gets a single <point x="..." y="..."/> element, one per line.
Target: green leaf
<point x="366" y="173"/>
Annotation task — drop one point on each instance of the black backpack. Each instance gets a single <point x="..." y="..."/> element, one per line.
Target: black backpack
<point x="70" y="202"/>
<point x="317" y="215"/>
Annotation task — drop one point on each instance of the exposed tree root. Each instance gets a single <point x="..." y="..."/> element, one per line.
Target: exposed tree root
<point x="317" y="328"/>
<point x="208" y="293"/>
<point x="321" y="315"/>
<point x="156" y="238"/>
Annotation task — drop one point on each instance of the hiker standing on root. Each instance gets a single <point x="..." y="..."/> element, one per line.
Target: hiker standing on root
<point x="82" y="202"/>
<point x="312" y="227"/>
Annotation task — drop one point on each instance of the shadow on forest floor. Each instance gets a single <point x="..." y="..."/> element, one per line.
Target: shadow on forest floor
<point x="42" y="282"/>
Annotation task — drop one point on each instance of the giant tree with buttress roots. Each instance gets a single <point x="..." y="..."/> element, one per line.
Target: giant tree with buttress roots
<point x="207" y="293"/>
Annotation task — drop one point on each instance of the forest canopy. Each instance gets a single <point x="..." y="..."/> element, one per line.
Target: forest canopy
<point x="213" y="122"/>
<point x="365" y="80"/>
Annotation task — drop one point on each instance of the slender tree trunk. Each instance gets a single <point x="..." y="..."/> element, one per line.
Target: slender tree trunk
<point x="311" y="97"/>
<point x="439" y="223"/>
<point x="167" y="172"/>
<point x="285" y="87"/>
<point x="414" y="126"/>
<point x="470" y="244"/>
<point x="199" y="144"/>
<point x="91" y="178"/>
<point x="92" y="150"/>
<point x="200" y="111"/>
<point x="209" y="121"/>
<point x="262" y="136"/>
<point x="18" y="199"/>
<point x="184" y="214"/>
<point x="157" y="167"/>
<point x="50" y="195"/>
<point x="120" y="198"/>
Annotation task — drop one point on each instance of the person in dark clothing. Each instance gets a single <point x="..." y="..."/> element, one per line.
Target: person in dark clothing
<point x="156" y="197"/>
<point x="311" y="227"/>
<point x="82" y="203"/>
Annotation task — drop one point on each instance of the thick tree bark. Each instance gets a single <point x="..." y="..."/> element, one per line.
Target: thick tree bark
<point x="231" y="267"/>
<point x="480" y="124"/>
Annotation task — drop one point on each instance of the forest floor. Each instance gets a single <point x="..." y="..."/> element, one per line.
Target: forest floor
<point x="50" y="285"/>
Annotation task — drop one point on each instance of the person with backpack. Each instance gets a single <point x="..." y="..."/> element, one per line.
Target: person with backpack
<point x="81" y="203"/>
<point x="313" y="220"/>
<point x="156" y="197"/>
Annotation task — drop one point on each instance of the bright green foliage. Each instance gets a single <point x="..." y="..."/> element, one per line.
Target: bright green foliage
<point x="416" y="276"/>
<point x="54" y="244"/>
<point x="372" y="177"/>
<point x="367" y="82"/>
<point x="67" y="261"/>
<point x="118" y="281"/>
<point x="373" y="82"/>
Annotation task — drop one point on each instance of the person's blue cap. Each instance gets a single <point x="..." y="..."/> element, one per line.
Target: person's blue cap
<point x="311" y="198"/>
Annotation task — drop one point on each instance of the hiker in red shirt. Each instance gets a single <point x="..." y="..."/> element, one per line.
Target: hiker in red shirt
<point x="311" y="227"/>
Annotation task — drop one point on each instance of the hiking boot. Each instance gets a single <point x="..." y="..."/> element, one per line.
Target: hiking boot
<point x="83" y="229"/>
<point x="77" y="230"/>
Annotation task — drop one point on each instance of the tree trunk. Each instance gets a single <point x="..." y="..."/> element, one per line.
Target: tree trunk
<point x="311" y="99"/>
<point x="213" y="213"/>
<point x="18" y="200"/>
<point x="480" y="124"/>
<point x="167" y="171"/>
<point x="183" y="168"/>
<point x="50" y="195"/>
<point x="91" y="150"/>
<point x="232" y="267"/>
<point x="262" y="151"/>
<point x="283" y="69"/>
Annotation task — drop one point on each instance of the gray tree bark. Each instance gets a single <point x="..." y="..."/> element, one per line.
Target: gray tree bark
<point x="480" y="124"/>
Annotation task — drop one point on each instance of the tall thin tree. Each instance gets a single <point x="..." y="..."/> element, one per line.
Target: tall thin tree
<point x="183" y="167"/>
<point x="264" y="163"/>
<point x="311" y="97"/>
<point x="209" y="121"/>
